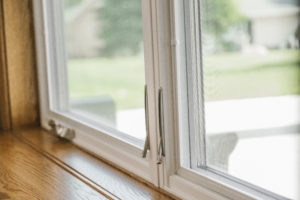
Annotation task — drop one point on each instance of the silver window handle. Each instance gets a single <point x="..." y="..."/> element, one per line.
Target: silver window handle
<point x="161" y="147"/>
<point x="147" y="141"/>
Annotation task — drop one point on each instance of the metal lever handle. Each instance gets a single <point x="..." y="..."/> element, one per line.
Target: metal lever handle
<point x="161" y="149"/>
<point x="61" y="131"/>
<point x="147" y="142"/>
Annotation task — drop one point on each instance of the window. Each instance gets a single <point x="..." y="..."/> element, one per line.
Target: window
<point x="237" y="65"/>
<point x="95" y="58"/>
<point x="219" y="115"/>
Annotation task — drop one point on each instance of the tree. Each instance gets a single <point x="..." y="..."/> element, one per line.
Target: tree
<point x="217" y="18"/>
<point x="121" y="23"/>
<point x="71" y="3"/>
<point x="121" y="27"/>
<point x="220" y="15"/>
<point x="297" y="34"/>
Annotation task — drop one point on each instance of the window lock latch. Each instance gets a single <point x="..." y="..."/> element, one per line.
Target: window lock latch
<point x="147" y="141"/>
<point x="161" y="147"/>
<point x="61" y="131"/>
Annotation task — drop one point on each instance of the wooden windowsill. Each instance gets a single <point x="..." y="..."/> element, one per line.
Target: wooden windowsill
<point x="96" y="175"/>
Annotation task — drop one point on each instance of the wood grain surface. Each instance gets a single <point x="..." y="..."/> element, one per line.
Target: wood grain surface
<point x="26" y="174"/>
<point x="111" y="179"/>
<point x="18" y="64"/>
<point x="5" y="117"/>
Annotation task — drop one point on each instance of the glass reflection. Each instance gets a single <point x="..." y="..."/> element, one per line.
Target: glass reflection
<point x="251" y="64"/>
<point x="105" y="62"/>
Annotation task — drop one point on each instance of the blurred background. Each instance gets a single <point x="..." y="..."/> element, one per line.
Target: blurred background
<point x="106" y="72"/>
<point x="251" y="65"/>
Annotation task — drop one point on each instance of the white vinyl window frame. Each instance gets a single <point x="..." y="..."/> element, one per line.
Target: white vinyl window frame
<point x="184" y="113"/>
<point x="121" y="149"/>
<point x="166" y="56"/>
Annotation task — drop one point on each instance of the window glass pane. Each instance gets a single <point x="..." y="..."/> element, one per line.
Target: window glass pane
<point x="251" y="66"/>
<point x="105" y="62"/>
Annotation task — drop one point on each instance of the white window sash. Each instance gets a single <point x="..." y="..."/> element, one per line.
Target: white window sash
<point x="186" y="71"/>
<point x="123" y="150"/>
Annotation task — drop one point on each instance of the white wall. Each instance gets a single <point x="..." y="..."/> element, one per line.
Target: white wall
<point x="82" y="33"/>
<point x="274" y="31"/>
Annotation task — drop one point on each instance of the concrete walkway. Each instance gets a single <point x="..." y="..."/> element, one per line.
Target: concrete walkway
<point x="229" y="115"/>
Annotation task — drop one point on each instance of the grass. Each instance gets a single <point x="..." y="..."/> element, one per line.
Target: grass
<point x="240" y="76"/>
<point x="230" y="75"/>
<point x="122" y="79"/>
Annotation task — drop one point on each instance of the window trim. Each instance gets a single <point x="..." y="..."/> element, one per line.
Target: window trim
<point x="127" y="155"/>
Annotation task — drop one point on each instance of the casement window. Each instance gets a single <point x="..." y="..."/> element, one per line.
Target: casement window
<point x="198" y="97"/>
<point x="95" y="59"/>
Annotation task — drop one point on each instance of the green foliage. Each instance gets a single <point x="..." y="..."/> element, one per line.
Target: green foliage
<point x="297" y="33"/>
<point x="220" y="15"/>
<point x="121" y="27"/>
<point x="217" y="18"/>
<point x="121" y="24"/>
<point x="71" y="3"/>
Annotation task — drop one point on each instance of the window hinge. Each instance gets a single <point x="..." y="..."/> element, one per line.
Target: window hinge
<point x="61" y="131"/>
<point x="161" y="146"/>
<point x="147" y="141"/>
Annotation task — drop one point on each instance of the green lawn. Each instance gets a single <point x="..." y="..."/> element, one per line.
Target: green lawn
<point x="230" y="75"/>
<point x="122" y="79"/>
<point x="239" y="76"/>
